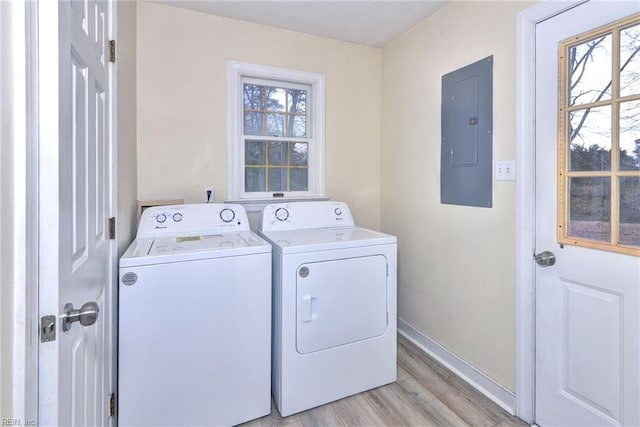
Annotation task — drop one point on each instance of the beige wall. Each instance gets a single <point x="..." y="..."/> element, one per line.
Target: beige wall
<point x="127" y="165"/>
<point x="457" y="267"/>
<point x="182" y="117"/>
<point x="456" y="264"/>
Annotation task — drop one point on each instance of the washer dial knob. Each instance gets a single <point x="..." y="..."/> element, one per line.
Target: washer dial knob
<point x="282" y="214"/>
<point x="338" y="211"/>
<point x="227" y="215"/>
<point x="177" y="217"/>
<point x="161" y="218"/>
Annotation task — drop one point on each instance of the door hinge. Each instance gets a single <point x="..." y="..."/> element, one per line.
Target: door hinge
<point x="112" y="405"/>
<point x="112" y="228"/>
<point x="47" y="328"/>
<point x="112" y="51"/>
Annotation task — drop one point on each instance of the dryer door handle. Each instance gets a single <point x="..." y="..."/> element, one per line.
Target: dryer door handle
<point x="308" y="304"/>
<point x="306" y="308"/>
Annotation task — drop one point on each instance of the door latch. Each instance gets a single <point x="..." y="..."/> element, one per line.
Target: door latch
<point x="47" y="328"/>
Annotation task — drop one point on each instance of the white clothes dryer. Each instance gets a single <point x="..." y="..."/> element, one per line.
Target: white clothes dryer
<point x="334" y="304"/>
<point x="194" y="319"/>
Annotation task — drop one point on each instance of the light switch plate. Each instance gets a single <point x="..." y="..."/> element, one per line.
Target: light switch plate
<point x="505" y="170"/>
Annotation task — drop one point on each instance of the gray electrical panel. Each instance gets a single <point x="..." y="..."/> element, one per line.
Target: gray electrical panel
<point x="467" y="130"/>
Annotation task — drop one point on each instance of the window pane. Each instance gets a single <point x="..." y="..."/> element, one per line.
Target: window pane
<point x="277" y="153"/>
<point x="630" y="211"/>
<point x="275" y="123"/>
<point x="277" y="179"/>
<point x="297" y="101"/>
<point x="254" y="179"/>
<point x="630" y="135"/>
<point x="253" y="123"/>
<point x="590" y="139"/>
<point x="253" y="97"/>
<point x="630" y="61"/>
<point x="276" y="99"/>
<point x="297" y="126"/>
<point x="254" y="153"/>
<point x="299" y="155"/>
<point x="590" y="71"/>
<point x="299" y="179"/>
<point x="590" y="208"/>
<point x="276" y="131"/>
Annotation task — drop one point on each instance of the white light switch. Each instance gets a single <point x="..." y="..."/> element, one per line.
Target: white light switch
<point x="505" y="170"/>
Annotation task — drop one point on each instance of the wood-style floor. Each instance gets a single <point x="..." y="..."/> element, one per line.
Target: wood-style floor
<point x="425" y="394"/>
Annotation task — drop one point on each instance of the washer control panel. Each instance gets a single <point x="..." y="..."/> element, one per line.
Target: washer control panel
<point x="282" y="214"/>
<point x="305" y="215"/>
<point x="227" y="215"/>
<point x="201" y="219"/>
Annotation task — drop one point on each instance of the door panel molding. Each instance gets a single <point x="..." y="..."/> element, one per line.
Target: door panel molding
<point x="606" y="321"/>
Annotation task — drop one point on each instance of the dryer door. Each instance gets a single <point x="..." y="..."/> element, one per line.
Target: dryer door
<point x="340" y="302"/>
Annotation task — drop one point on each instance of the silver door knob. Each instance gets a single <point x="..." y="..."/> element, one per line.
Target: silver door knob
<point x="87" y="315"/>
<point x="545" y="259"/>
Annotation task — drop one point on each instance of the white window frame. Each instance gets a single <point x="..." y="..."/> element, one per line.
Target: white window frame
<point x="236" y="71"/>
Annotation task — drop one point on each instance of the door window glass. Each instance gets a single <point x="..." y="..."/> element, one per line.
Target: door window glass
<point x="599" y="138"/>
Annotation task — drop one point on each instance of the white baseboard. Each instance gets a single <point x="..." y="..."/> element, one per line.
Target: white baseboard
<point x="477" y="379"/>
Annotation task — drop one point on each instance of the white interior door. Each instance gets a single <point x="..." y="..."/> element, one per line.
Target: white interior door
<point x="76" y="185"/>
<point x="587" y="304"/>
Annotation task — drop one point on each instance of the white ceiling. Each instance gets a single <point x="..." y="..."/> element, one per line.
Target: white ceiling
<point x="372" y="23"/>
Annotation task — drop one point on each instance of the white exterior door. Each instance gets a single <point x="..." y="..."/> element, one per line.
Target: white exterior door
<point x="76" y="186"/>
<point x="587" y="304"/>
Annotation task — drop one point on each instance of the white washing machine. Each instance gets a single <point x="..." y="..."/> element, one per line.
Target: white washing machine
<point x="334" y="304"/>
<point x="194" y="319"/>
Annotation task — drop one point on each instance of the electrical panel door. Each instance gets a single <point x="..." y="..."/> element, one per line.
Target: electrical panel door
<point x="467" y="135"/>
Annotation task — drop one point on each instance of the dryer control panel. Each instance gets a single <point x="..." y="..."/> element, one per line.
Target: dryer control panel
<point x="306" y="215"/>
<point x="201" y="219"/>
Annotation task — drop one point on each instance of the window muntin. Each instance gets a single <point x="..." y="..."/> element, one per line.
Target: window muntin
<point x="276" y="132"/>
<point x="599" y="138"/>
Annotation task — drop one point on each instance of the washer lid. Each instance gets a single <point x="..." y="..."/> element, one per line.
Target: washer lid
<point x="196" y="243"/>
<point x="192" y="247"/>
<point x="320" y="239"/>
